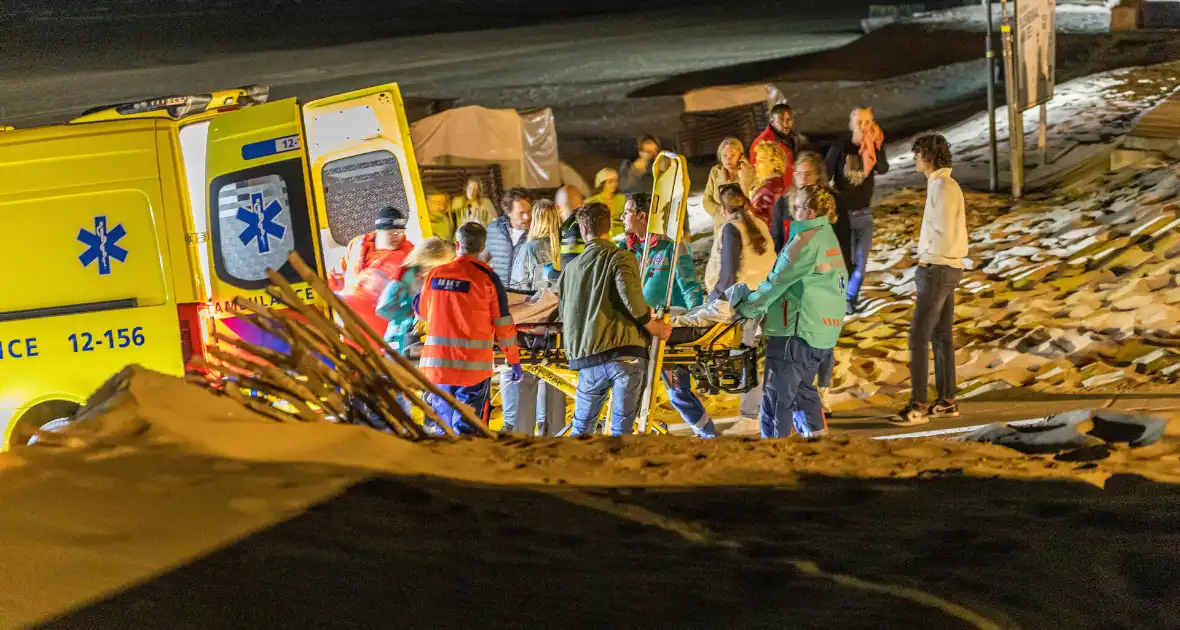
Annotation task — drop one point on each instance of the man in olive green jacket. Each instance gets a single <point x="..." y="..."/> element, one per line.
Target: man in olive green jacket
<point x="605" y="326"/>
<point x="803" y="300"/>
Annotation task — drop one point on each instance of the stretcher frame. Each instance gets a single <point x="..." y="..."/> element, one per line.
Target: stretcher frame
<point x="716" y="358"/>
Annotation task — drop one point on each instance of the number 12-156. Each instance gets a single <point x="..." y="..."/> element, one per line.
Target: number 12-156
<point x="118" y="338"/>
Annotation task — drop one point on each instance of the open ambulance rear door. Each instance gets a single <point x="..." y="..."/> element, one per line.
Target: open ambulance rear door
<point x="357" y="147"/>
<point x="361" y="159"/>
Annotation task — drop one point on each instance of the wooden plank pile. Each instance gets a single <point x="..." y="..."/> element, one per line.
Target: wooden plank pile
<point x="333" y="372"/>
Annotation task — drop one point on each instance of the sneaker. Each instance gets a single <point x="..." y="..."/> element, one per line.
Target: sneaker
<point x="913" y="415"/>
<point x="944" y="409"/>
<point x="823" y="400"/>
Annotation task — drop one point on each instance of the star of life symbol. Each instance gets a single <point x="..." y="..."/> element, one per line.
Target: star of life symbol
<point x="102" y="245"/>
<point x="260" y="223"/>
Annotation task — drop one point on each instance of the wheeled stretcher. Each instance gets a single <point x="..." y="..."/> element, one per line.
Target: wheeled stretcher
<point x="714" y="354"/>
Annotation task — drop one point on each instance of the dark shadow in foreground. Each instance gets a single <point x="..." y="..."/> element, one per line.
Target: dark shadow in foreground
<point x="424" y="553"/>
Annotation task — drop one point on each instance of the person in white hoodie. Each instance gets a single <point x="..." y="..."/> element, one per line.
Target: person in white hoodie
<point x="942" y="245"/>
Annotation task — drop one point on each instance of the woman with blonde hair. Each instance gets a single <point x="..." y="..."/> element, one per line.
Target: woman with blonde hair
<point x="731" y="168"/>
<point x="771" y="186"/>
<point x="396" y="304"/>
<point x="606" y="191"/>
<point x="473" y="205"/>
<point x="538" y="264"/>
<point x="809" y="171"/>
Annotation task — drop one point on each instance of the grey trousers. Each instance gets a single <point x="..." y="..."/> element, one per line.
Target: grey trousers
<point x="934" y="323"/>
<point x="530" y="403"/>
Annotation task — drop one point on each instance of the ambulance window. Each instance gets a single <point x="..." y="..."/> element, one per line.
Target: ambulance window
<point x="261" y="218"/>
<point x="356" y="187"/>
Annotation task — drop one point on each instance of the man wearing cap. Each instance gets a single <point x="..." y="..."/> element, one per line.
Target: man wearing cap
<point x="370" y="264"/>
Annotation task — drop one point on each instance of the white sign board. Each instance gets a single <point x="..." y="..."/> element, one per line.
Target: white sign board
<point x="1036" y="52"/>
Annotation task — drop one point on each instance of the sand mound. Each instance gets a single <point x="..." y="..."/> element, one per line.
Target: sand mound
<point x="140" y="409"/>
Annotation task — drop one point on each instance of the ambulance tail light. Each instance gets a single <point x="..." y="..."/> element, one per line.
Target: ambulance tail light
<point x="196" y="331"/>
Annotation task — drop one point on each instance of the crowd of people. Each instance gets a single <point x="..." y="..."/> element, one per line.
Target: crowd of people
<point x="791" y="226"/>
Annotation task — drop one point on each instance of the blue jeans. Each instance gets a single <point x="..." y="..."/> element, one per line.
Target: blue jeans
<point x="529" y="403"/>
<point x="623" y="380"/>
<point x="474" y="396"/>
<point x="788" y="391"/>
<point x="678" y="382"/>
<point x="860" y="245"/>
<point x="934" y="321"/>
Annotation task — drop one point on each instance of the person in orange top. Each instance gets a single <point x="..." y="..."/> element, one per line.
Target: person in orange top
<point x="465" y="308"/>
<point x="386" y="244"/>
<point x="372" y="263"/>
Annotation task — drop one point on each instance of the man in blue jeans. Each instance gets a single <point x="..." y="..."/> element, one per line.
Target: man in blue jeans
<point x="803" y="300"/>
<point x="606" y="325"/>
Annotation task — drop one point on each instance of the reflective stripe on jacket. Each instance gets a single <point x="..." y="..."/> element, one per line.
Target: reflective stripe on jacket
<point x="465" y="308"/>
<point x="571" y="239"/>
<point x="804" y="294"/>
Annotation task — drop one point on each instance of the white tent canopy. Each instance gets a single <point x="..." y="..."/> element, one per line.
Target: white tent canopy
<point x="523" y="144"/>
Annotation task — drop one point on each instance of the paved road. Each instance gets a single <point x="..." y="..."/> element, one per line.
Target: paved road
<point x="592" y="60"/>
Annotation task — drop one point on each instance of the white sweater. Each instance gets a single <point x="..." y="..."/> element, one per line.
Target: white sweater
<point x="943" y="240"/>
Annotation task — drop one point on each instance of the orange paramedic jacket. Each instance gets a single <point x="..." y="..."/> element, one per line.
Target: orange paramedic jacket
<point x="465" y="308"/>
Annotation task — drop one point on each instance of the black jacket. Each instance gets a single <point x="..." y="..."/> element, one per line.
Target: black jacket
<point x="854" y="188"/>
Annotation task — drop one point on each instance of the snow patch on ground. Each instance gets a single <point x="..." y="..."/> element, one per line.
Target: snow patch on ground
<point x="1072" y="17"/>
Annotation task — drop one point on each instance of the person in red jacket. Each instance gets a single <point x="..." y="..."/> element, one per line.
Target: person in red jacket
<point x="387" y="238"/>
<point x="373" y="261"/>
<point x="782" y="132"/>
<point x="465" y="308"/>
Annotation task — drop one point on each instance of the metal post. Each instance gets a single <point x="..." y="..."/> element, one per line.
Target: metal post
<point x="1015" y="120"/>
<point x="994" y="165"/>
<point x="1043" y="133"/>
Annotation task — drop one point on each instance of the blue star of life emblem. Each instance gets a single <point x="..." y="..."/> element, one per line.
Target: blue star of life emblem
<point x="260" y="223"/>
<point x="102" y="245"/>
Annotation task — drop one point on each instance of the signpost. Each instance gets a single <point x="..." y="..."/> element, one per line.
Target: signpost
<point x="1029" y="74"/>
<point x="993" y="171"/>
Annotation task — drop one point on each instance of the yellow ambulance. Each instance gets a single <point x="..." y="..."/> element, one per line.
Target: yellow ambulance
<point x="133" y="228"/>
